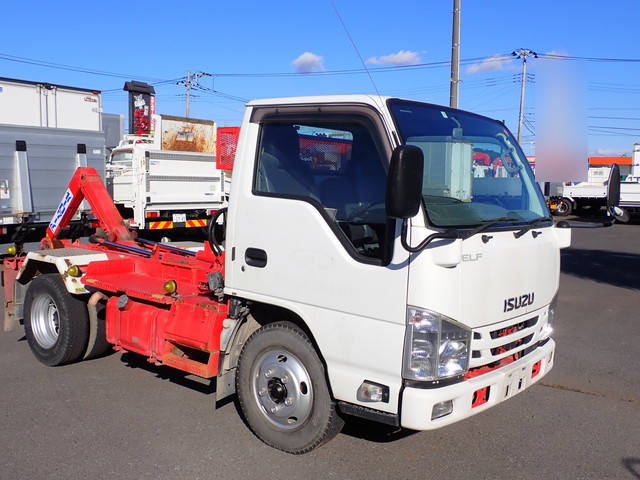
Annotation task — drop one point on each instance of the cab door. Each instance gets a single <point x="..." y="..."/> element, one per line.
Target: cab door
<point x="308" y="232"/>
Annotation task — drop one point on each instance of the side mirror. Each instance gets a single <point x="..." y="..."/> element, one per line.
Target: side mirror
<point x="613" y="189"/>
<point x="404" y="182"/>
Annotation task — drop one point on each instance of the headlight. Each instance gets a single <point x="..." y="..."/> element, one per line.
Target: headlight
<point x="435" y="347"/>
<point x="551" y="318"/>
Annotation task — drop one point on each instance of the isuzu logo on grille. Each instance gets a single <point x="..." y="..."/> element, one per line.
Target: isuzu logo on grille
<point x="515" y="303"/>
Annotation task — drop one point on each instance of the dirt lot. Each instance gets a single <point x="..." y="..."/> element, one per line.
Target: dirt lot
<point x="119" y="417"/>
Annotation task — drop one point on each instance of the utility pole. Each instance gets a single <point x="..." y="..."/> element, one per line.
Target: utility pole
<point x="455" y="56"/>
<point x="188" y="93"/>
<point x="190" y="81"/>
<point x="523" y="54"/>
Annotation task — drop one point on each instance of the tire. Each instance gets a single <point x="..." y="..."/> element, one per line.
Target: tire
<point x="56" y="323"/>
<point x="564" y="208"/>
<point x="283" y="392"/>
<point x="624" y="216"/>
<point x="97" y="345"/>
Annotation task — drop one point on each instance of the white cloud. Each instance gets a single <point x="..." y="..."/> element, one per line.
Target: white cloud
<point x="308" y="62"/>
<point x="495" y="62"/>
<point x="403" y="57"/>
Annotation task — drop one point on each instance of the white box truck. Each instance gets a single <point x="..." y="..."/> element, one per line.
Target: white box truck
<point x="46" y="132"/>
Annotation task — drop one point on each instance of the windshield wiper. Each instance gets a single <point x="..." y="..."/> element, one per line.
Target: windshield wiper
<point x="530" y="224"/>
<point x="488" y="224"/>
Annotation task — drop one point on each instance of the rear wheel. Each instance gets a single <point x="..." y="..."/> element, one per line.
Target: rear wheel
<point x="622" y="215"/>
<point x="282" y="390"/>
<point x="56" y="323"/>
<point x="564" y="207"/>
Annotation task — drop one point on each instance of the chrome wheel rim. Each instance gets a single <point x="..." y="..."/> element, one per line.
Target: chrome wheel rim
<point x="562" y="207"/>
<point x="282" y="389"/>
<point x="45" y="321"/>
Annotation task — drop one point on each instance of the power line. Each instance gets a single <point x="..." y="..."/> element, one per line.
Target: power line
<point x="218" y="93"/>
<point x="614" y="118"/>
<point x="161" y="82"/>
<point x="354" y="71"/>
<point x="553" y="56"/>
<point x="615" y="128"/>
<point x="355" y="47"/>
<point x="61" y="66"/>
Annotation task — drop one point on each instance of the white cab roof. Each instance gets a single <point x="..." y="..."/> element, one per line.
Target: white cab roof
<point x="375" y="100"/>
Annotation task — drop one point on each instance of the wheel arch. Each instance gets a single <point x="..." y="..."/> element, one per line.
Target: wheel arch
<point x="257" y="315"/>
<point x="33" y="268"/>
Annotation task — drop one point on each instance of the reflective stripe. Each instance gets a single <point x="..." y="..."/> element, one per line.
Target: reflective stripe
<point x="198" y="222"/>
<point x="160" y="225"/>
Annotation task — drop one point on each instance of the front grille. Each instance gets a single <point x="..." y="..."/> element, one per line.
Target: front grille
<point x="503" y="332"/>
<point x="511" y="345"/>
<point x="496" y="345"/>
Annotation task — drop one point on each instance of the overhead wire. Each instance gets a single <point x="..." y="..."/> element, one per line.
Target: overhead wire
<point x="554" y="56"/>
<point x="62" y="66"/>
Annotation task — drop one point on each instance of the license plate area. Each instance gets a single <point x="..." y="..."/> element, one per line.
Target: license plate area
<point x="515" y="382"/>
<point x="179" y="217"/>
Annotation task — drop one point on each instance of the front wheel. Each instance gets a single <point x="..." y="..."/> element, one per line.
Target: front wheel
<point x="55" y="322"/>
<point x="282" y="390"/>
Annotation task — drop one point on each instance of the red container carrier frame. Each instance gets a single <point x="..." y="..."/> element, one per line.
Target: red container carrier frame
<point x="158" y="299"/>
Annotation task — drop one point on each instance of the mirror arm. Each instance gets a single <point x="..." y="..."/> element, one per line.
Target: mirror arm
<point x="426" y="241"/>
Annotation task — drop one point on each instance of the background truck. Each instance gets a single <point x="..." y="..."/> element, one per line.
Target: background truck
<point x="170" y="179"/>
<point x="593" y="192"/>
<point x="46" y="132"/>
<point x="367" y="270"/>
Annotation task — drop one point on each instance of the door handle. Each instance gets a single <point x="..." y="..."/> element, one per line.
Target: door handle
<point x="255" y="257"/>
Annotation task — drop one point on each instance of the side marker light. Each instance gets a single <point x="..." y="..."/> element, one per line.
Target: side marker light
<point x="170" y="286"/>
<point x="74" y="271"/>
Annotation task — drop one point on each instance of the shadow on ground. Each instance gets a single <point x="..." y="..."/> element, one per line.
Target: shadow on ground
<point x="598" y="217"/>
<point x="373" y="432"/>
<point x="615" y="268"/>
<point x="632" y="465"/>
<point x="178" y="377"/>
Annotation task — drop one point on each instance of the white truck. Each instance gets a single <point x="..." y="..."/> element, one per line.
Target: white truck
<point x="157" y="187"/>
<point x="593" y="192"/>
<point x="367" y="271"/>
<point x="46" y="132"/>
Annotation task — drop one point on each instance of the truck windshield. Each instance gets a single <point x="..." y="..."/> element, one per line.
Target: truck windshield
<point x="122" y="159"/>
<point x="474" y="170"/>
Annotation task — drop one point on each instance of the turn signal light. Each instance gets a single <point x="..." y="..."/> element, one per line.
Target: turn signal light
<point x="170" y="286"/>
<point x="12" y="250"/>
<point x="74" y="271"/>
<point x="372" y="392"/>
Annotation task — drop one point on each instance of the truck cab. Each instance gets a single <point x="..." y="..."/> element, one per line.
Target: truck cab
<point x="419" y="338"/>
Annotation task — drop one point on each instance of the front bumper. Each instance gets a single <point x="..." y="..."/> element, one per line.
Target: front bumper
<point x="503" y="383"/>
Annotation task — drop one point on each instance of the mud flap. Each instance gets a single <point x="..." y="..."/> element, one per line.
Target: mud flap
<point x="11" y="322"/>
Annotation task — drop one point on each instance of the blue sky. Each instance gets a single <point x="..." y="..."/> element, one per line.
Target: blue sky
<point x="160" y="40"/>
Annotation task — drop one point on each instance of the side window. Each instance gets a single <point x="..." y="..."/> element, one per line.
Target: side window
<point x="337" y="167"/>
